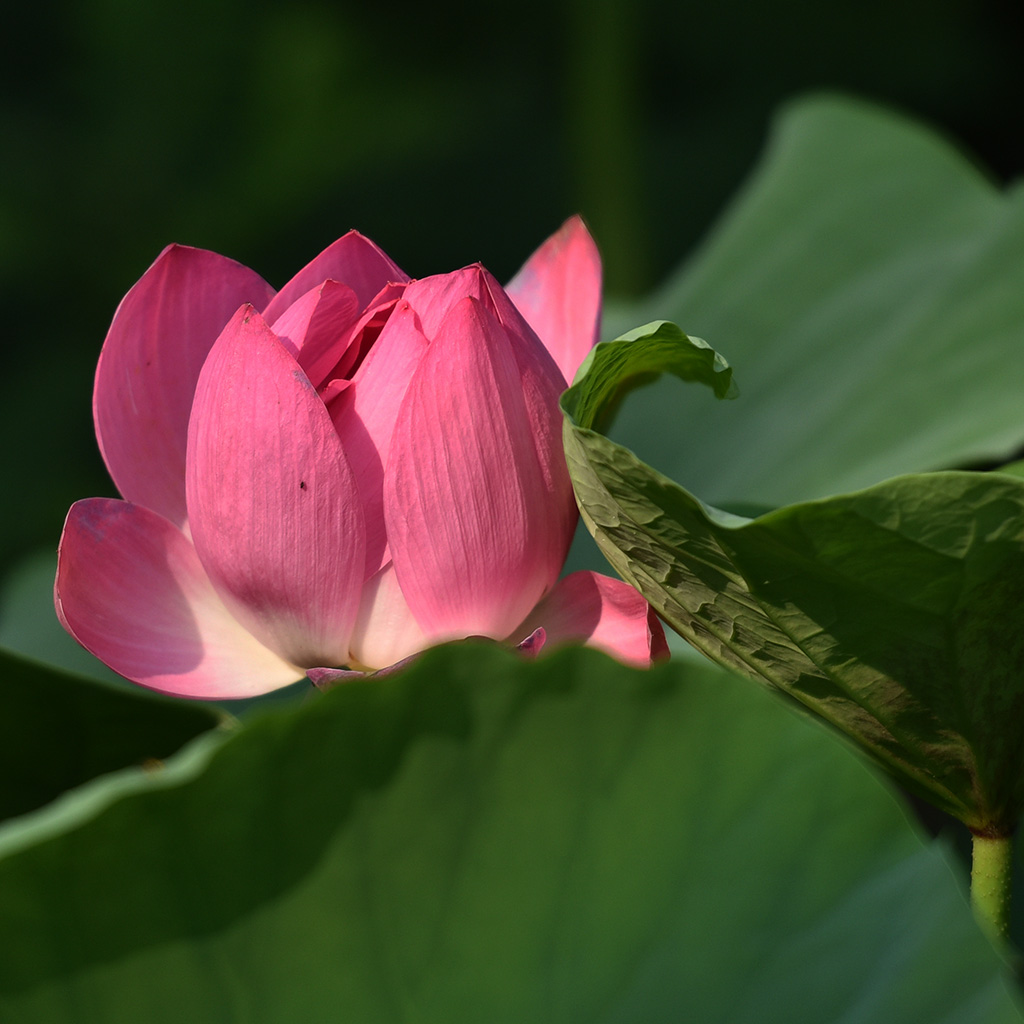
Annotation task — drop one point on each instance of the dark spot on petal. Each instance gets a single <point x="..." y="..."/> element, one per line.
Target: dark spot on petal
<point x="302" y="485"/>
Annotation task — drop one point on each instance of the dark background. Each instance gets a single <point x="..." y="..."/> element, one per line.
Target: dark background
<point x="448" y="134"/>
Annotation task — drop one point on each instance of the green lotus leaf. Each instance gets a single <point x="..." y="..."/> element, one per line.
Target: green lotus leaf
<point x="481" y="838"/>
<point x="893" y="613"/>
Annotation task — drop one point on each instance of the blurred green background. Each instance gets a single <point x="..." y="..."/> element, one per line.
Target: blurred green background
<point x="447" y="133"/>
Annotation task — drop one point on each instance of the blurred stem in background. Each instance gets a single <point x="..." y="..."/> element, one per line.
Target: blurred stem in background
<point x="605" y="132"/>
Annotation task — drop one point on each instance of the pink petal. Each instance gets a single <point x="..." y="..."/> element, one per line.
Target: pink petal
<point x="533" y="644"/>
<point x="385" y="631"/>
<point x="542" y="382"/>
<point x="479" y="514"/>
<point x="433" y="298"/>
<point x="316" y="328"/>
<point x="366" y="330"/>
<point x="364" y="417"/>
<point x="272" y="503"/>
<point x="130" y="589"/>
<point x="161" y="334"/>
<point x="353" y="260"/>
<point x="329" y="678"/>
<point x="558" y="290"/>
<point x="598" y="611"/>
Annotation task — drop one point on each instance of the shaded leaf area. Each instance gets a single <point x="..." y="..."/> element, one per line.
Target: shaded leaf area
<point x="894" y="612"/>
<point x="59" y="730"/>
<point x="868" y="287"/>
<point x="485" y="838"/>
<point x="1013" y="468"/>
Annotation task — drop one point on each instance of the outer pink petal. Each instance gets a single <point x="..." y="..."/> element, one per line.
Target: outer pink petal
<point x="541" y="380"/>
<point x="598" y="611"/>
<point x="272" y="503"/>
<point x="479" y="518"/>
<point x="130" y="588"/>
<point x="353" y="260"/>
<point x="558" y="290"/>
<point x="147" y="372"/>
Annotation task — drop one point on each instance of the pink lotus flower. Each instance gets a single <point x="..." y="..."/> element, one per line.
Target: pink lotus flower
<point x="339" y="474"/>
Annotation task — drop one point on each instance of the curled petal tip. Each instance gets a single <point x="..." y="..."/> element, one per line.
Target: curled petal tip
<point x="533" y="644"/>
<point x="329" y="678"/>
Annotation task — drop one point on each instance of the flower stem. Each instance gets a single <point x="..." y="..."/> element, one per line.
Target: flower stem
<point x="991" y="873"/>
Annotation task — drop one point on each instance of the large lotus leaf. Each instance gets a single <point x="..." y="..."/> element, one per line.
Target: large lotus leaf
<point x="868" y="287"/>
<point x="59" y="730"/>
<point x="894" y="612"/>
<point x="481" y="838"/>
